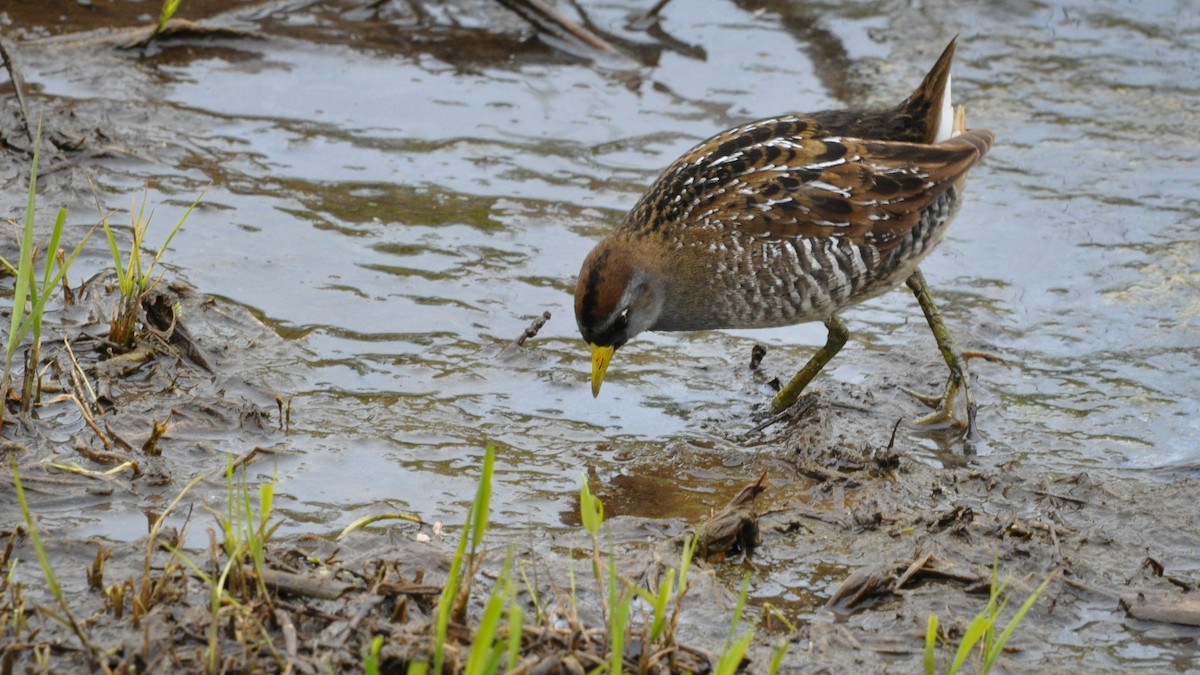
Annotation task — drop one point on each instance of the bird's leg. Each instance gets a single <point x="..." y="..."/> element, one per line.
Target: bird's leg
<point x="956" y="360"/>
<point x="833" y="344"/>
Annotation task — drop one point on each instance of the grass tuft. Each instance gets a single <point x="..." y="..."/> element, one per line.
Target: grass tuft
<point x="28" y="291"/>
<point x="134" y="277"/>
<point x="981" y="632"/>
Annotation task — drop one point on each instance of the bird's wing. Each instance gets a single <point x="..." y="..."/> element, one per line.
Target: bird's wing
<point x="797" y="186"/>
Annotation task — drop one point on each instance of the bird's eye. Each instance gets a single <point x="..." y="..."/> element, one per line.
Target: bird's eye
<point x="624" y="316"/>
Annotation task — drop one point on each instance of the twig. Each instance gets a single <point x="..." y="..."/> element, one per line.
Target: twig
<point x="290" y="642"/>
<point x="654" y="11"/>
<point x="16" y="82"/>
<point x="892" y="441"/>
<point x="87" y="417"/>
<point x="916" y="566"/>
<point x="245" y="459"/>
<point x="551" y="22"/>
<point x="531" y="331"/>
<point x="101" y="457"/>
<point x="142" y="36"/>
<point x="301" y="584"/>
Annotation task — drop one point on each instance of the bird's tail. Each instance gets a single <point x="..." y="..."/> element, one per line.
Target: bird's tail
<point x="930" y="106"/>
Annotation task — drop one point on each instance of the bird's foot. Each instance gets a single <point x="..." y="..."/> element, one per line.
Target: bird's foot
<point x="943" y="405"/>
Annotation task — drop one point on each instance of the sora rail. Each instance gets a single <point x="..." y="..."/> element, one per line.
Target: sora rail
<point x="787" y="220"/>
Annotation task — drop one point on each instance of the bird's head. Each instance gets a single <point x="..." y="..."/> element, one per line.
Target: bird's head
<point x="616" y="297"/>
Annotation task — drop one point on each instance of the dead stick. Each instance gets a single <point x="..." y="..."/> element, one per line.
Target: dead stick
<point x="301" y="584"/>
<point x="16" y="82"/>
<point x="531" y="331"/>
<point x="548" y="20"/>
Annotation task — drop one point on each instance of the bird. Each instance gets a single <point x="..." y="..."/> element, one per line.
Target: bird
<point x="787" y="220"/>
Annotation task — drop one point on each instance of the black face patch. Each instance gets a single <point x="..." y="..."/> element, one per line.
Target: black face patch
<point x="614" y="336"/>
<point x="587" y="306"/>
<point x="601" y="287"/>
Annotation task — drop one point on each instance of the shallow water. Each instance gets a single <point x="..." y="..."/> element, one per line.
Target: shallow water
<point x="400" y="215"/>
<point x="397" y="203"/>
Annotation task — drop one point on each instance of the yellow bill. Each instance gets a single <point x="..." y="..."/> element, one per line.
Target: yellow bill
<point x="600" y="358"/>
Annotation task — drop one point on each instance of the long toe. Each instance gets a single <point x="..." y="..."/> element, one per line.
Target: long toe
<point x="943" y="406"/>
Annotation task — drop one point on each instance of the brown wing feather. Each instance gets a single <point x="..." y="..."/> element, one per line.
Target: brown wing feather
<point x="869" y="191"/>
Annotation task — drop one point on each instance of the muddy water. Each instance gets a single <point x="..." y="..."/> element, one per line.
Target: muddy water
<point x="396" y="199"/>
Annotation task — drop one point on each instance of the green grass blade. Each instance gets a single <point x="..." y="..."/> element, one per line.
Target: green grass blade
<point x="591" y="510"/>
<point x="189" y="563"/>
<point x="140" y="224"/>
<point x="266" y="497"/>
<point x="51" y="249"/>
<point x="39" y="305"/>
<point x="113" y="247"/>
<point x="979" y="625"/>
<point x="685" y="559"/>
<point x="25" y="261"/>
<point x="618" y="622"/>
<point x="666" y="590"/>
<point x="737" y="612"/>
<point x="43" y="559"/>
<point x="515" y="629"/>
<point x="371" y="663"/>
<point x="66" y="264"/>
<point x="449" y="594"/>
<point x="446" y="601"/>
<point x="40" y="294"/>
<point x="367" y="520"/>
<point x="483" y="497"/>
<point x="990" y="659"/>
<point x="930" y="643"/>
<point x="162" y="249"/>
<point x="993" y="613"/>
<point x="533" y="596"/>
<point x="732" y="655"/>
<point x="168" y="10"/>
<point x="483" y="645"/>
<point x="777" y="657"/>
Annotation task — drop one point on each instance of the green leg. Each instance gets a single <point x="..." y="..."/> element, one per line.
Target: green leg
<point x="955" y="359"/>
<point x="833" y="344"/>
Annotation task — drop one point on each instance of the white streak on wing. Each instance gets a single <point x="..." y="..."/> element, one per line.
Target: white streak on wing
<point x="769" y="204"/>
<point x="824" y="165"/>
<point x="829" y="187"/>
<point x="726" y="159"/>
<point x="946" y="117"/>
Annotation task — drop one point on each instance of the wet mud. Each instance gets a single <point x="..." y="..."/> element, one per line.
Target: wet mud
<point x="395" y="195"/>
